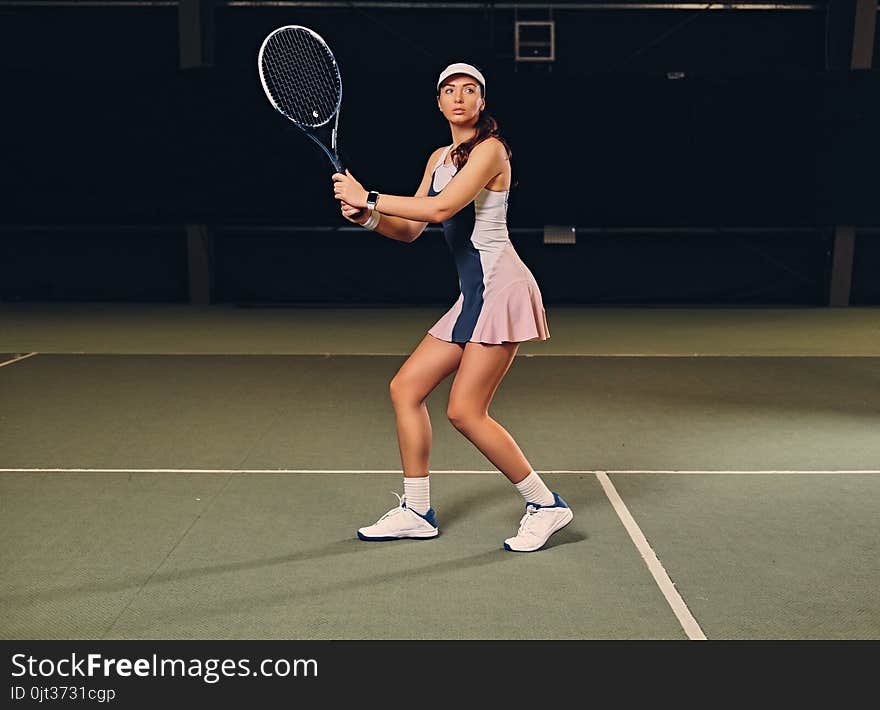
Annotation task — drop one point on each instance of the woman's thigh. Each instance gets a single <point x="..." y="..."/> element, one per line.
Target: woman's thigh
<point x="428" y="365"/>
<point x="480" y="373"/>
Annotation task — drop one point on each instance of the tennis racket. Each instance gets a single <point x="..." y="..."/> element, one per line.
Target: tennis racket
<point x="301" y="79"/>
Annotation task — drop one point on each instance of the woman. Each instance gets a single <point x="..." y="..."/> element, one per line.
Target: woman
<point x="465" y="186"/>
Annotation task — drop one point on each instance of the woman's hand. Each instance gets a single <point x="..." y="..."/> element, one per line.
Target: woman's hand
<point x="347" y="189"/>
<point x="349" y="213"/>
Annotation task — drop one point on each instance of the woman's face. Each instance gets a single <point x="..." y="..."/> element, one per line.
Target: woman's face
<point x="460" y="99"/>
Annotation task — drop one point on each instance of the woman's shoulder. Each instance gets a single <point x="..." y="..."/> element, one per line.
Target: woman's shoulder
<point x="438" y="151"/>
<point x="435" y="156"/>
<point x="492" y="143"/>
<point x="492" y="149"/>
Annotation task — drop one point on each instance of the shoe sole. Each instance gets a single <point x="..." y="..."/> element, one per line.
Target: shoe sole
<point x="427" y="536"/>
<point x="552" y="532"/>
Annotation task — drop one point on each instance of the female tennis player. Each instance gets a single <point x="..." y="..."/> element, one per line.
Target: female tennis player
<point x="465" y="187"/>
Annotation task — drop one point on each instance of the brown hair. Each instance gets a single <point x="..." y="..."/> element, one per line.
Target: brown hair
<point x="487" y="127"/>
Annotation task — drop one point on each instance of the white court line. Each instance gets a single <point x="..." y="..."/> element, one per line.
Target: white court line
<point x="398" y="471"/>
<point x="20" y="357"/>
<point x="667" y="586"/>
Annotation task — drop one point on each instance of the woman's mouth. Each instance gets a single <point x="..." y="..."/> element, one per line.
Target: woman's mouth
<point x="458" y="110"/>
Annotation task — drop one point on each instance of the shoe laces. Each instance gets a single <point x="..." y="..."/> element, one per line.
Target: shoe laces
<point x="531" y="511"/>
<point x="401" y="500"/>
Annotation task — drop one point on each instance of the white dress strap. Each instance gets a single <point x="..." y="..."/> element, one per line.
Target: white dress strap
<point x="443" y="156"/>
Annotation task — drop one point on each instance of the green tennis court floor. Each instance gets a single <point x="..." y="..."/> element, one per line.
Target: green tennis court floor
<point x="147" y="496"/>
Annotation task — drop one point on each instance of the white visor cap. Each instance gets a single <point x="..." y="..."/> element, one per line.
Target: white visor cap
<point x="461" y="68"/>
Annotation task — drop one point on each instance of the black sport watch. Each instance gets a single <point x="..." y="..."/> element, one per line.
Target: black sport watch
<point x="372" y="196"/>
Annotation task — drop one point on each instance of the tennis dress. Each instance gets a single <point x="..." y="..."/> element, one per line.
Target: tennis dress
<point x="500" y="300"/>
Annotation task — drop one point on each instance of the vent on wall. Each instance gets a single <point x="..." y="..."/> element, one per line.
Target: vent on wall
<point x="535" y="41"/>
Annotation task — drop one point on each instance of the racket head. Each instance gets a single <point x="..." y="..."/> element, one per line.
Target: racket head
<point x="300" y="75"/>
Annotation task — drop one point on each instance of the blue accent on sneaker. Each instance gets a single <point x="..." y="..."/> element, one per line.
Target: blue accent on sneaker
<point x="558" y="502"/>
<point x="510" y="549"/>
<point x="429" y="516"/>
<point x="383" y="539"/>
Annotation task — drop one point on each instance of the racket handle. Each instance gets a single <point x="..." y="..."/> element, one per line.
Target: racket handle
<point x="340" y="169"/>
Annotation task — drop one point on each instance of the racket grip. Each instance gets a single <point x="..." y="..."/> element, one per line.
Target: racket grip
<point x="340" y="168"/>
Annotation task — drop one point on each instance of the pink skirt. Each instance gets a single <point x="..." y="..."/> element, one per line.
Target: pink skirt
<point x="511" y="309"/>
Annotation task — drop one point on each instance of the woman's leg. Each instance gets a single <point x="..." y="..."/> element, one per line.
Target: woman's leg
<point x="430" y="363"/>
<point x="480" y="372"/>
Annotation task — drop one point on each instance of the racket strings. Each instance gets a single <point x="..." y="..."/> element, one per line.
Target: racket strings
<point x="302" y="78"/>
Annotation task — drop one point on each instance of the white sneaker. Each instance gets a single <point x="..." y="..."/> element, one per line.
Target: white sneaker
<point x="538" y="524"/>
<point x="401" y="522"/>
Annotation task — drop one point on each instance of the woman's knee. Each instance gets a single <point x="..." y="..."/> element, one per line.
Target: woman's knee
<point x="396" y="389"/>
<point x="403" y="392"/>
<point x="462" y="416"/>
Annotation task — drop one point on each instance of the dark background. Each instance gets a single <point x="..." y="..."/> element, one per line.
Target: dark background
<point x="722" y="187"/>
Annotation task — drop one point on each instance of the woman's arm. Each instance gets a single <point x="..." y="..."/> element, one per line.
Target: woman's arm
<point x="401" y="228"/>
<point x="484" y="163"/>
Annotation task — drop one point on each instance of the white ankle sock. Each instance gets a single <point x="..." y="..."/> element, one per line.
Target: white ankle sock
<point x="534" y="490"/>
<point x="418" y="494"/>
